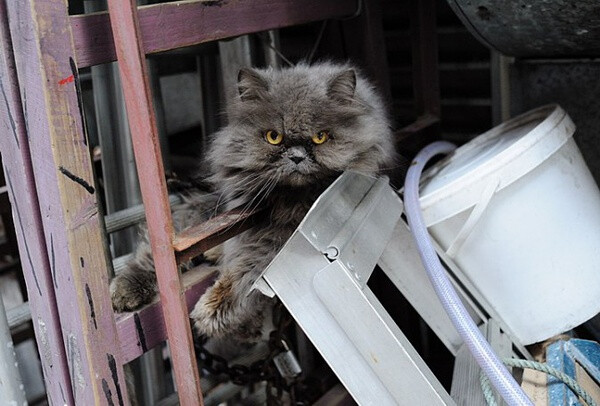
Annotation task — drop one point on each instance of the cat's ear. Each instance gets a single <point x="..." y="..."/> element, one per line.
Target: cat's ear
<point x="251" y="85"/>
<point x="342" y="87"/>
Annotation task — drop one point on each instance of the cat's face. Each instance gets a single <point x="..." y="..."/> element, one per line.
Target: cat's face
<point x="301" y="126"/>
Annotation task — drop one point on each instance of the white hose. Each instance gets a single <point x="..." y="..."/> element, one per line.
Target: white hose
<point x="498" y="375"/>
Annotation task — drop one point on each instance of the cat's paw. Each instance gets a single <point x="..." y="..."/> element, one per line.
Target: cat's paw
<point x="214" y="254"/>
<point x="217" y="315"/>
<point x="130" y="291"/>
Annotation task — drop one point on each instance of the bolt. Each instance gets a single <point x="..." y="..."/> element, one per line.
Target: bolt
<point x="332" y="252"/>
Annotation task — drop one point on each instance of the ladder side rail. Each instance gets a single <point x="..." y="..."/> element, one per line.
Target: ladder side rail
<point x="401" y="263"/>
<point x="21" y="188"/>
<point x="62" y="167"/>
<point x="142" y="123"/>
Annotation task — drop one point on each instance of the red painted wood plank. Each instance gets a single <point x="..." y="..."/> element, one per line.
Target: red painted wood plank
<point x="179" y="24"/>
<point x="142" y="123"/>
<point x="28" y="226"/>
<point x="145" y="329"/>
<point x="202" y="237"/>
<point x="43" y="50"/>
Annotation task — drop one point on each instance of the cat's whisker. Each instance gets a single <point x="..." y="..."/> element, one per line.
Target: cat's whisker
<point x="233" y="187"/>
<point x="272" y="185"/>
<point x="265" y="186"/>
<point x="262" y="194"/>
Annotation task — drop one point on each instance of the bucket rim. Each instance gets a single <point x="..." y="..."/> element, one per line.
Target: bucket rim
<point x="549" y="135"/>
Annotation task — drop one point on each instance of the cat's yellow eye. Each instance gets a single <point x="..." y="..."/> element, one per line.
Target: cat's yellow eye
<point x="320" y="137"/>
<point x="273" y="137"/>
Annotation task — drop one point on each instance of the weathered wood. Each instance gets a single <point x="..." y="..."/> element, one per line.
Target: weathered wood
<point x="19" y="177"/>
<point x="184" y="23"/>
<point x="77" y="263"/>
<point x="535" y="385"/>
<point x="144" y="133"/>
<point x="144" y="329"/>
<point x="198" y="239"/>
<point x="588" y="383"/>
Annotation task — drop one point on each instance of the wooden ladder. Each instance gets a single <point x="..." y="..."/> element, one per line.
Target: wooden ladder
<point x="60" y="229"/>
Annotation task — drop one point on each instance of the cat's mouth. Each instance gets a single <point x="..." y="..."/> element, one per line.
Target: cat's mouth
<point x="298" y="176"/>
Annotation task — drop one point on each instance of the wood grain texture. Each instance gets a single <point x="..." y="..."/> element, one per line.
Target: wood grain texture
<point x="184" y="23"/>
<point x="148" y="157"/>
<point x="202" y="237"/>
<point x="28" y="225"/>
<point x="144" y="329"/>
<point x="47" y="75"/>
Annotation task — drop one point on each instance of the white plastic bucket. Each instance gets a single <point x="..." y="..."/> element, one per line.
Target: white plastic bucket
<point x="519" y="211"/>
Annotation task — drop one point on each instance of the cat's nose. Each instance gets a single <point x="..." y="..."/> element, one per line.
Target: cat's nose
<point x="296" y="154"/>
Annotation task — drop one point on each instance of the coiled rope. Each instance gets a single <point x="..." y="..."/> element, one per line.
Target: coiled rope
<point x="538" y="366"/>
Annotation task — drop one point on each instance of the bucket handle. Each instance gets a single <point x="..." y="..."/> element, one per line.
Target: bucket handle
<point x="473" y="219"/>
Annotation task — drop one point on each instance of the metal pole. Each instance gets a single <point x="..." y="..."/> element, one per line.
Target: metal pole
<point x="12" y="391"/>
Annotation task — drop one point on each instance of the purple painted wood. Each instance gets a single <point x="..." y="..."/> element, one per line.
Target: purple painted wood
<point x="146" y="146"/>
<point x="47" y="75"/>
<point x="174" y="25"/>
<point x="143" y="330"/>
<point x="29" y="229"/>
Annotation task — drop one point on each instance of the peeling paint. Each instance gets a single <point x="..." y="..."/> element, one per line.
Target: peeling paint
<point x="44" y="344"/>
<point x="74" y="359"/>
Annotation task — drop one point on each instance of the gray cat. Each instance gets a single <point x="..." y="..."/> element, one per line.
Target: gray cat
<point x="291" y="132"/>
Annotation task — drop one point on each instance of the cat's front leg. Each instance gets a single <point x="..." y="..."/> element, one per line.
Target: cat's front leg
<point x="132" y="289"/>
<point x="230" y="308"/>
<point x="136" y="285"/>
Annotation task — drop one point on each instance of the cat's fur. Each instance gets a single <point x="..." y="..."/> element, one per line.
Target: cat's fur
<point x="286" y="179"/>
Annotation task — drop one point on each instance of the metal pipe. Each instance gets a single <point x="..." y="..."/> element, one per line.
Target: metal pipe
<point x="12" y="391"/>
<point x="18" y="315"/>
<point x="132" y="215"/>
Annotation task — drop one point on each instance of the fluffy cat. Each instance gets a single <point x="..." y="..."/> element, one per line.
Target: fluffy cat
<point x="290" y="133"/>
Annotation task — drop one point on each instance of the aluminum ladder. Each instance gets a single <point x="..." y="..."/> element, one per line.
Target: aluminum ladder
<point x="321" y="276"/>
